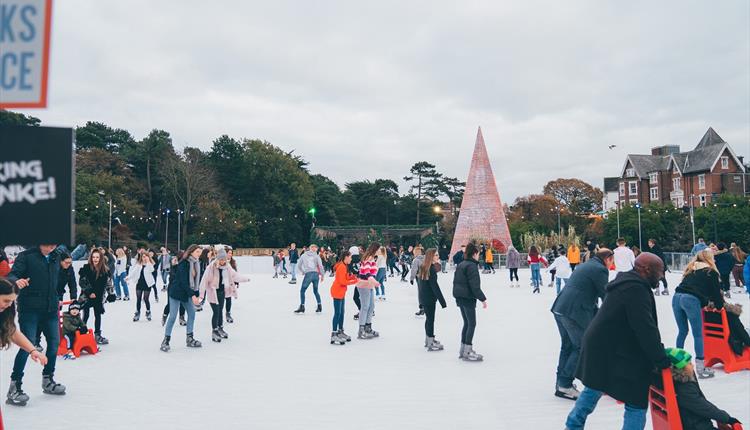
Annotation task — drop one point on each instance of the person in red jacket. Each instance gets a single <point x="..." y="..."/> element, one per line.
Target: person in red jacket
<point x="341" y="281"/>
<point x="4" y="264"/>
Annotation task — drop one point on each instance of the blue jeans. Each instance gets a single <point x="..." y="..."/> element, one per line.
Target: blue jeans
<point x="313" y="277"/>
<point x="380" y="277"/>
<point x="294" y="271"/>
<point x="687" y="307"/>
<point x="164" y="277"/>
<point x="367" y="298"/>
<point x="30" y="323"/>
<point x="559" y="282"/>
<point x="174" y="307"/>
<point x="634" y="419"/>
<point x="120" y="280"/>
<point x="571" y="334"/>
<point x="338" y="314"/>
<point x="536" y="275"/>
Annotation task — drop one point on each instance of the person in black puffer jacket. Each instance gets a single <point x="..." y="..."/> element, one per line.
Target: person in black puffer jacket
<point x="467" y="290"/>
<point x="95" y="279"/>
<point x="429" y="294"/>
<point x="698" y="289"/>
<point x="724" y="264"/>
<point x="184" y="290"/>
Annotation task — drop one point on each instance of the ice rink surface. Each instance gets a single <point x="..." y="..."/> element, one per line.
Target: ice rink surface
<point x="278" y="371"/>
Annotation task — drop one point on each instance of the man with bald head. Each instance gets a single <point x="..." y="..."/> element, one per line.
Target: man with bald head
<point x="622" y="347"/>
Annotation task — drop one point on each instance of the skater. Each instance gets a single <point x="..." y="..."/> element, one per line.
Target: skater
<point x="696" y="412"/>
<point x="513" y="262"/>
<point x="429" y="294"/>
<point x="341" y="281"/>
<point x="392" y="259"/>
<point x="95" y="279"/>
<point x="700" y="287"/>
<point x="217" y="284"/>
<point x="406" y="259"/>
<point x="698" y="247"/>
<point x="458" y="257"/>
<point x="164" y="264"/>
<point x="624" y="257"/>
<point x="9" y="333"/>
<point x="573" y="309"/>
<point x="489" y="261"/>
<point x="121" y="274"/>
<point x="312" y="268"/>
<point x="155" y="260"/>
<point x="367" y="271"/>
<point x="141" y="277"/>
<point x="536" y="261"/>
<point x="562" y="269"/>
<point x="35" y="272"/>
<point x="228" y="300"/>
<point x="278" y="258"/>
<point x="724" y="264"/>
<point x="5" y="263"/>
<point x="574" y="255"/>
<point x="381" y="261"/>
<point x="183" y="290"/>
<point x="415" y="265"/>
<point x="293" y="259"/>
<point x="354" y="269"/>
<point x="67" y="278"/>
<point x="72" y="323"/>
<point x="443" y="254"/>
<point x="739" y="257"/>
<point x="622" y="346"/>
<point x="467" y="290"/>
<point x="655" y="249"/>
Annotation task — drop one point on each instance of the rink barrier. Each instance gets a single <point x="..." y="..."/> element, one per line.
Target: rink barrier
<point x="716" y="343"/>
<point x="665" y="413"/>
<point x="81" y="342"/>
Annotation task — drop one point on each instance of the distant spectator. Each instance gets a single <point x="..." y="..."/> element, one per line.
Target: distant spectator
<point x="698" y="247"/>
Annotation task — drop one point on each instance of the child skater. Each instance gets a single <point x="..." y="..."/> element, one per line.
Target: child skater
<point x="341" y="281"/>
<point x="696" y="412"/>
<point x="72" y="323"/>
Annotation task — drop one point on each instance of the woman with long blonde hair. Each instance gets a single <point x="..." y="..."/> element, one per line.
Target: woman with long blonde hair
<point x="700" y="287"/>
<point x="367" y="272"/>
<point x="429" y="294"/>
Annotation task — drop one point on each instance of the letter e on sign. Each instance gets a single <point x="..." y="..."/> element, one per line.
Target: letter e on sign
<point x="24" y="52"/>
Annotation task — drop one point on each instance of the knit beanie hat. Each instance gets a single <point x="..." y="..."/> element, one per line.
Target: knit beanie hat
<point x="221" y="254"/>
<point x="679" y="357"/>
<point x="74" y="305"/>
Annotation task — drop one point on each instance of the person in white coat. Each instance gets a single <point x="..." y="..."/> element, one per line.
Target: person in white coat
<point x="561" y="265"/>
<point x="624" y="257"/>
<point x="141" y="277"/>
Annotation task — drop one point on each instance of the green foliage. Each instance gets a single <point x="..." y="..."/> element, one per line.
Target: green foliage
<point x="14" y="118"/>
<point x="95" y="135"/>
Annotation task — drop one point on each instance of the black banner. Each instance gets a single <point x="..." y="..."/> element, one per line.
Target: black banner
<point x="37" y="185"/>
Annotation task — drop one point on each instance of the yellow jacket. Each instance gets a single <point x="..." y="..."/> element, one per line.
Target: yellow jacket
<point x="574" y="254"/>
<point x="488" y="257"/>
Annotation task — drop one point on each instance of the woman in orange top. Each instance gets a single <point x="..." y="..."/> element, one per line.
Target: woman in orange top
<point x="574" y="255"/>
<point x="342" y="280"/>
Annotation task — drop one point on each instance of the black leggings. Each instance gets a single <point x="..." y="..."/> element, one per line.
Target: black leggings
<point x="228" y="305"/>
<point x="725" y="281"/>
<point x="356" y="298"/>
<point x="392" y="266"/>
<point x="156" y="295"/>
<point x="429" y="322"/>
<point x="142" y="295"/>
<point x="182" y="310"/>
<point x="98" y="311"/>
<point x="404" y="271"/>
<point x="217" y="319"/>
<point x="513" y="273"/>
<point x="469" y="315"/>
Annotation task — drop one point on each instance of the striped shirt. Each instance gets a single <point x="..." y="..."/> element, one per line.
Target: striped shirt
<point x="367" y="268"/>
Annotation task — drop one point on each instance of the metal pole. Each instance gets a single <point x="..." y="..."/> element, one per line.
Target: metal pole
<point x="716" y="235"/>
<point x="618" y="220"/>
<point x="692" y="217"/>
<point x="109" y="238"/>
<point x="179" y="229"/>
<point x="559" y="225"/>
<point x="166" y="231"/>
<point x="640" y="240"/>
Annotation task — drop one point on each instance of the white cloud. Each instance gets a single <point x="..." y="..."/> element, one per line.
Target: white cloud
<point x="364" y="90"/>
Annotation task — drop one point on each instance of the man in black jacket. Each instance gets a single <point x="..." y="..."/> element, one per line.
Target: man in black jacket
<point x="622" y="346"/>
<point x="36" y="272"/>
<point x="67" y="278"/>
<point x="574" y="308"/>
<point x="655" y="249"/>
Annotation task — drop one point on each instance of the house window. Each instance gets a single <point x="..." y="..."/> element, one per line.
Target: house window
<point x="702" y="198"/>
<point x="632" y="188"/>
<point x="724" y="163"/>
<point x="737" y="179"/>
<point x="622" y="188"/>
<point x="630" y="172"/>
<point x="676" y="184"/>
<point x="654" y="193"/>
<point x="702" y="182"/>
<point x="633" y="201"/>
<point x="653" y="178"/>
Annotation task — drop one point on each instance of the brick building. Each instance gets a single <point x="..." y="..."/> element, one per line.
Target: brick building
<point x="699" y="175"/>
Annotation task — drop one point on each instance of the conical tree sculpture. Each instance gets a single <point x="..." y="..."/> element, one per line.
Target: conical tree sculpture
<point x="482" y="217"/>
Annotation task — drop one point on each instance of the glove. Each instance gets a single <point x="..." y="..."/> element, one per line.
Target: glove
<point x="83" y="330"/>
<point x="412" y="282"/>
<point x="733" y="421"/>
<point x="111" y="298"/>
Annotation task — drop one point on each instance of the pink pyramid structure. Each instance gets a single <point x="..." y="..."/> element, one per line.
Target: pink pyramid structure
<point x="482" y="217"/>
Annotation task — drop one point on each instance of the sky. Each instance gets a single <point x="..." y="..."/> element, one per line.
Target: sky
<point x="363" y="90"/>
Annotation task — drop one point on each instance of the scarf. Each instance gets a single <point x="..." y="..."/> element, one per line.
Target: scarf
<point x="195" y="273"/>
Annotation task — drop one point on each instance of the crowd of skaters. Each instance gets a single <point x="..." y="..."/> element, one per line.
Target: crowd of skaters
<point x="591" y="312"/>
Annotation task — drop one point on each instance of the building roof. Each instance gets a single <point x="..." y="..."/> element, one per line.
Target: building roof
<point x="611" y="185"/>
<point x="702" y="158"/>
<point x="645" y="164"/>
<point x="710" y="138"/>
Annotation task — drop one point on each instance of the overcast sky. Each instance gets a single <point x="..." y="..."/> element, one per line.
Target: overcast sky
<point x="362" y="90"/>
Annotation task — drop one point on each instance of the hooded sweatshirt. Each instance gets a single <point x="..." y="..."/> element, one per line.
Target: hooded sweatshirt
<point x="418" y="261"/>
<point x="310" y="262"/>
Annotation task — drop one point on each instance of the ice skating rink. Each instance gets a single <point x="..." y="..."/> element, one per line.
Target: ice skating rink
<point x="278" y="371"/>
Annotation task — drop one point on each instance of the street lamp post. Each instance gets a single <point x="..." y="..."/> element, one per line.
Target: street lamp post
<point x="166" y="231"/>
<point x="692" y="217"/>
<point x="559" y="223"/>
<point x="109" y="228"/>
<point x="179" y="229"/>
<point x="618" y="218"/>
<point x="640" y="239"/>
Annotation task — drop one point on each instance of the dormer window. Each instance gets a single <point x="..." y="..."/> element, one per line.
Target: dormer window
<point x="629" y="172"/>
<point x="724" y="163"/>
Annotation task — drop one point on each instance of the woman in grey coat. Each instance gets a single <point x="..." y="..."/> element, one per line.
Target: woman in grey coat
<point x="513" y="263"/>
